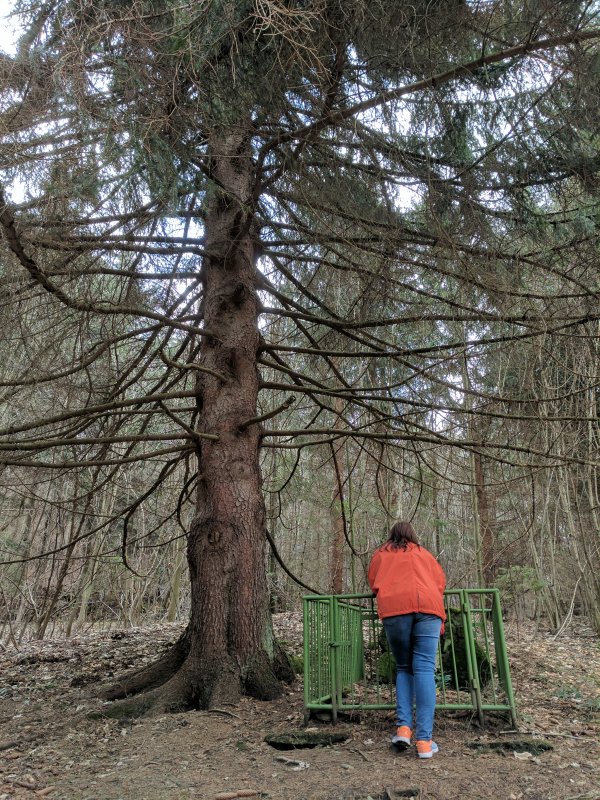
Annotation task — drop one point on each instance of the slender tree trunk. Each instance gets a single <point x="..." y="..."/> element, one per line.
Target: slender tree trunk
<point x="175" y="589"/>
<point x="275" y="590"/>
<point x="228" y="647"/>
<point x="476" y="520"/>
<point x="483" y="509"/>
<point x="338" y="543"/>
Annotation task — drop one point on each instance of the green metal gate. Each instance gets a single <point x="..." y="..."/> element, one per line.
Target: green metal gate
<point x="347" y="665"/>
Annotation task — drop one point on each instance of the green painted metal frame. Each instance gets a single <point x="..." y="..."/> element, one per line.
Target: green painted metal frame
<point x="341" y="673"/>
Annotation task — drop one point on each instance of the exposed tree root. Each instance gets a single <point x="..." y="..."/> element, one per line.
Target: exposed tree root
<point x="179" y="681"/>
<point x="151" y="676"/>
<point x="173" y="696"/>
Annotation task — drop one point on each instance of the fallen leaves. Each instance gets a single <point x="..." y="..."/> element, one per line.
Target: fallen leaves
<point x="10" y="756"/>
<point x="8" y="788"/>
<point x="46" y="734"/>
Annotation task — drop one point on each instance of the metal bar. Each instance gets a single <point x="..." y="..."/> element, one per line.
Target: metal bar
<point x="439" y="707"/>
<point x="306" y="655"/>
<point x="336" y="689"/>
<point x="324" y="706"/>
<point x="485" y="611"/>
<point x="473" y="667"/>
<point x="502" y="656"/>
<point x="453" y="647"/>
<point x="340" y="674"/>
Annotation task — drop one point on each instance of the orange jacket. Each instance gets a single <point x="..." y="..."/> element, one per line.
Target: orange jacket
<point x="407" y="581"/>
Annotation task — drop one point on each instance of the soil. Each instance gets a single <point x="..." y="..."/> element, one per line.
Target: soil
<point x="50" y="747"/>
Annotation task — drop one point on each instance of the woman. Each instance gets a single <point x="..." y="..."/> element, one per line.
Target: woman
<point x="409" y="586"/>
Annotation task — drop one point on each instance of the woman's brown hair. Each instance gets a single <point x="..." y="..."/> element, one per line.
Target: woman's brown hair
<point x="401" y="534"/>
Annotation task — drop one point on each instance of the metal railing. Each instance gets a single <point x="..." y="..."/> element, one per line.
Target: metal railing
<point x="347" y="664"/>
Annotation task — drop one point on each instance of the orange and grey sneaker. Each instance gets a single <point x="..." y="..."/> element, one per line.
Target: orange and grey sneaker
<point x="402" y="738"/>
<point x="426" y="749"/>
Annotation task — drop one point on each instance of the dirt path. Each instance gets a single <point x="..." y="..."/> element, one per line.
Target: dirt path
<point x="50" y="748"/>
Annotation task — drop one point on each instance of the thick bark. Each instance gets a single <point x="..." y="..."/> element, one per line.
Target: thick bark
<point x="229" y="639"/>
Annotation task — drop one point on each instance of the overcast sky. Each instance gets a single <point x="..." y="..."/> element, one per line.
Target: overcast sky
<point x="9" y="31"/>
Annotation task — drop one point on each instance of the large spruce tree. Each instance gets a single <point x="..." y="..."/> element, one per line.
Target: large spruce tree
<point x="180" y="175"/>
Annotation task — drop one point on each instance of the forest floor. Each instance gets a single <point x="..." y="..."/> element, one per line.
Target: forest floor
<point x="49" y="747"/>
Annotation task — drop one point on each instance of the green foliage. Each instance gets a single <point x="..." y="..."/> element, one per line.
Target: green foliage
<point x="442" y="680"/>
<point x="455" y="668"/>
<point x="591" y="706"/>
<point x="452" y="672"/>
<point x="297" y="663"/>
<point x="386" y="667"/>
<point x="568" y="692"/>
<point x="516" y="581"/>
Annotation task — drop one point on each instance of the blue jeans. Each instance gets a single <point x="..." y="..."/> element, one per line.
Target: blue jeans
<point x="413" y="640"/>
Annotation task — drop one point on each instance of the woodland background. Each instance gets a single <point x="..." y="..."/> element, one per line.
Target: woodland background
<point x="428" y="283"/>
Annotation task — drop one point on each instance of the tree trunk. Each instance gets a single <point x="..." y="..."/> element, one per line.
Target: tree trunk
<point x="175" y="588"/>
<point x="486" y="535"/>
<point x="336" y="513"/>
<point x="227" y="648"/>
